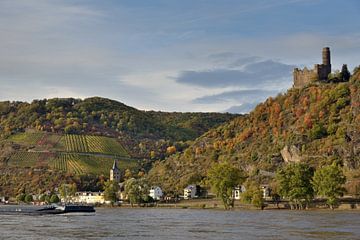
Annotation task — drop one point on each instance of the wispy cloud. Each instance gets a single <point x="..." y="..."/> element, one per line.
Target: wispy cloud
<point x="259" y="74"/>
<point x="238" y="96"/>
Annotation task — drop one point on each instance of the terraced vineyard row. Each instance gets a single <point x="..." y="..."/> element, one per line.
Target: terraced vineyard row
<point x="107" y="145"/>
<point x="92" y="144"/>
<point x="27" y="138"/>
<point x="68" y="163"/>
<point x="59" y="163"/>
<point x="29" y="159"/>
<point x="80" y="164"/>
<point x="75" y="143"/>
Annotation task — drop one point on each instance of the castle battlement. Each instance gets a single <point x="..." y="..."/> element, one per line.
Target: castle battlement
<point x="320" y="72"/>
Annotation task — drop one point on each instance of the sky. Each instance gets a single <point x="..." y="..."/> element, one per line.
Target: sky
<point x="170" y="55"/>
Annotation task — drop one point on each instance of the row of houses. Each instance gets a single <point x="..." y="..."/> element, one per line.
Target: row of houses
<point x="98" y="197"/>
<point x="190" y="192"/>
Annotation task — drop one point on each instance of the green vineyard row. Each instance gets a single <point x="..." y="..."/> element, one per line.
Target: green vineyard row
<point x="69" y="162"/>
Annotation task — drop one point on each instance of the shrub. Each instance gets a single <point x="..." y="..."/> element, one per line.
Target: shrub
<point x="318" y="131"/>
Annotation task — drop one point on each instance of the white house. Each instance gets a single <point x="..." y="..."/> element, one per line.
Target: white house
<point x="156" y="193"/>
<point x="266" y="190"/>
<point x="237" y="192"/>
<point x="190" y="192"/>
<point x="89" y="197"/>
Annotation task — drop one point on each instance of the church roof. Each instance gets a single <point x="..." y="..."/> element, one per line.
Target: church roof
<point x="115" y="165"/>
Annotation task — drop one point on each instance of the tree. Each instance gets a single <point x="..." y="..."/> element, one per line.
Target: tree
<point x="20" y="197"/>
<point x="318" y="131"/>
<point x="43" y="198"/>
<point x="328" y="182"/>
<point x="295" y="183"/>
<point x="171" y="150"/>
<point x="253" y="194"/>
<point x="110" y="190"/>
<point x="345" y="74"/>
<point x="223" y="178"/>
<point x="137" y="190"/>
<point x="54" y="198"/>
<point x="28" y="198"/>
<point x="67" y="191"/>
<point x="128" y="174"/>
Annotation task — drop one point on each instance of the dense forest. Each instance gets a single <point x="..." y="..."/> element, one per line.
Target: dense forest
<point x="316" y="125"/>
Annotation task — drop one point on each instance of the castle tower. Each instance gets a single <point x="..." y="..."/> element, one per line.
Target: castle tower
<point x="326" y="66"/>
<point x="326" y="56"/>
<point x="115" y="172"/>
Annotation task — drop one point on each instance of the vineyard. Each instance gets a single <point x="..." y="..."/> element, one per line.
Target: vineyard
<point x="77" y="154"/>
<point x="91" y="144"/>
<point x="29" y="159"/>
<point x="27" y="138"/>
<point x="80" y="164"/>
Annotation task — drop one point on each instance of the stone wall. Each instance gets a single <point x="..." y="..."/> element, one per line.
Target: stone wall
<point x="304" y="77"/>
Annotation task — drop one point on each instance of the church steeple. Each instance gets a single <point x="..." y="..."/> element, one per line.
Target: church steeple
<point x="115" y="172"/>
<point x="115" y="165"/>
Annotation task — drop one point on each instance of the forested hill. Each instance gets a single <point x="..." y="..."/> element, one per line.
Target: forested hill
<point x="318" y="124"/>
<point x="100" y="116"/>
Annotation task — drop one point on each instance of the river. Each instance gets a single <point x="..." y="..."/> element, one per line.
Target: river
<point x="155" y="223"/>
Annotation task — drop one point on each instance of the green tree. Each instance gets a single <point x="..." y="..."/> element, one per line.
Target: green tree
<point x="43" y="198"/>
<point x="328" y="182"/>
<point x="223" y="178"/>
<point x="253" y="194"/>
<point x="137" y="190"/>
<point x="110" y="191"/>
<point x="20" y="197"/>
<point x="318" y="131"/>
<point x="28" y="198"/>
<point x="345" y="74"/>
<point x="294" y="182"/>
<point x="54" y="198"/>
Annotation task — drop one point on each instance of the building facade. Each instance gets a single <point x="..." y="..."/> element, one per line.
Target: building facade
<point x="156" y="193"/>
<point x="89" y="197"/>
<point x="190" y="192"/>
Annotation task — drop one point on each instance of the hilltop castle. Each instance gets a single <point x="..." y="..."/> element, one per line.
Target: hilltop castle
<point x="319" y="73"/>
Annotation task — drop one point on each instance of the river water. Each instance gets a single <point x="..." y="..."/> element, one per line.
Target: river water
<point x="152" y="223"/>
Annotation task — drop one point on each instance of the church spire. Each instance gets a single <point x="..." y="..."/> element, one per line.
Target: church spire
<point x="115" y="165"/>
<point x="115" y="172"/>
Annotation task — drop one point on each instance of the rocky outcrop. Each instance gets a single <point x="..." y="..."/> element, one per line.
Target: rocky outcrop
<point x="291" y="154"/>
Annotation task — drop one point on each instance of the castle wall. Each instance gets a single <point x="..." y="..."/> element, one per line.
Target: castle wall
<point x="304" y="77"/>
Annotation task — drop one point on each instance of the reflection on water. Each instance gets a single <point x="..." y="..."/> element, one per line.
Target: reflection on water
<point x="185" y="224"/>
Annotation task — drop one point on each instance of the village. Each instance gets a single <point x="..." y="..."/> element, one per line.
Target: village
<point x="193" y="196"/>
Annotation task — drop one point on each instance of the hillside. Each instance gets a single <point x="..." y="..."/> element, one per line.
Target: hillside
<point x="73" y="140"/>
<point x="105" y="117"/>
<point x="317" y="124"/>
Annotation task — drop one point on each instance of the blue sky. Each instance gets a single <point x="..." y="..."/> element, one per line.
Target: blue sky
<point x="197" y="55"/>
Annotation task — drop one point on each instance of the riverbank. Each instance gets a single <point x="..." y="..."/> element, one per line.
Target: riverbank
<point x="215" y="204"/>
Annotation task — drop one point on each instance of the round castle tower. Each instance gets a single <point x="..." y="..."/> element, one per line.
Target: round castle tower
<point x="326" y="56"/>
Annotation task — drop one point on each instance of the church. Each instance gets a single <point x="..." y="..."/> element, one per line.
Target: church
<point x="115" y="174"/>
